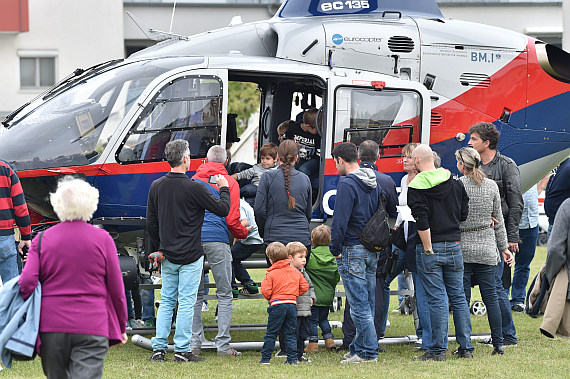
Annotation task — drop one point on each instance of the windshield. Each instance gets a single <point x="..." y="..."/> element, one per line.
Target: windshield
<point x="304" y="8"/>
<point x="74" y="127"/>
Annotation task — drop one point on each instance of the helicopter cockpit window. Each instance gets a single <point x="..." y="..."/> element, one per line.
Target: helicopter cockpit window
<point x="73" y="127"/>
<point x="188" y="108"/>
<point x="389" y="117"/>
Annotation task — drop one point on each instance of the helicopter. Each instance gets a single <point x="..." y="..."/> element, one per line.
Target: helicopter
<point x="393" y="71"/>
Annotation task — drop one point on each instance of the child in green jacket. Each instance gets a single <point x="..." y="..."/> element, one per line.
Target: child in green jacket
<point x="324" y="274"/>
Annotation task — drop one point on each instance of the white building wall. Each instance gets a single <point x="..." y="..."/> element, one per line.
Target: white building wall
<point x="82" y="33"/>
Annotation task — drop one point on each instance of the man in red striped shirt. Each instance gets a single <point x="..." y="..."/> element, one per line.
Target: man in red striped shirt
<point x="13" y="210"/>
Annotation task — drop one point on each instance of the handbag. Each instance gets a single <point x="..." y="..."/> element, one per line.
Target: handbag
<point x="397" y="237"/>
<point x="389" y="267"/>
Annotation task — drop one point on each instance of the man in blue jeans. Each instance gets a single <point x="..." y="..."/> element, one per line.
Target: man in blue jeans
<point x="175" y="213"/>
<point x="356" y="201"/>
<point x="13" y="210"/>
<point x="439" y="203"/>
<point x="528" y="232"/>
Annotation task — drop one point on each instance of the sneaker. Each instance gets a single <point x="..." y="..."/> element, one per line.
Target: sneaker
<point x="418" y="343"/>
<point x="235" y="293"/>
<point x="304" y="359"/>
<point x="249" y="290"/>
<point x="150" y="323"/>
<point x="157" y="356"/>
<point x="498" y="350"/>
<point x="518" y="307"/>
<point x="463" y="354"/>
<point x="357" y="359"/>
<point x="132" y="324"/>
<point x="205" y="307"/>
<point x="281" y="354"/>
<point x="429" y="356"/>
<point x="140" y="323"/>
<point x="264" y="362"/>
<point x="509" y="343"/>
<point x="347" y="355"/>
<point x="229" y="353"/>
<point x="187" y="357"/>
<point x="380" y="349"/>
<point x="291" y="362"/>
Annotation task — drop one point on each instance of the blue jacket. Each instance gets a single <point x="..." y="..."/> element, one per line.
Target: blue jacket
<point x="356" y="201"/>
<point x="19" y="321"/>
<point x="215" y="228"/>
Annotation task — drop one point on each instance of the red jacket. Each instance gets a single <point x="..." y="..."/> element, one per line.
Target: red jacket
<point x="283" y="284"/>
<point x="232" y="219"/>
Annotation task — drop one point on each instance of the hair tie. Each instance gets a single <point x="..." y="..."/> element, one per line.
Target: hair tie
<point x="288" y="194"/>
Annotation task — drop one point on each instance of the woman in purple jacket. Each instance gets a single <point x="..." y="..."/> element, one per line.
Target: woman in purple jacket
<point x="83" y="307"/>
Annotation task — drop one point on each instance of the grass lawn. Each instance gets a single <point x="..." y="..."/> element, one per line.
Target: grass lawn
<point x="536" y="356"/>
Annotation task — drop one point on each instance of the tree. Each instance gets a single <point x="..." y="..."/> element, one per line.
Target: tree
<point x="243" y="99"/>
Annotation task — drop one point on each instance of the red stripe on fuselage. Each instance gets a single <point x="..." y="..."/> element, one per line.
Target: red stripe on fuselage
<point x="108" y="169"/>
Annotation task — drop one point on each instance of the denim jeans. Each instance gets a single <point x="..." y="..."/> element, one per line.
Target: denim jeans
<point x="147" y="302"/>
<point x="357" y="267"/>
<point x="319" y="317"/>
<point x="523" y="259"/>
<point x="441" y="274"/>
<point x="399" y="268"/>
<point x="507" y="323"/>
<point x="302" y="332"/>
<point x="281" y="317"/>
<point x="309" y="167"/>
<point x="219" y="257"/>
<point x="485" y="276"/>
<point x="241" y="252"/>
<point x="179" y="282"/>
<point x="424" y="326"/>
<point x="8" y="258"/>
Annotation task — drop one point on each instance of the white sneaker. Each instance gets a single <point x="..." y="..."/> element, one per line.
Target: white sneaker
<point x="388" y="323"/>
<point x="356" y="359"/>
<point x="205" y="307"/>
<point x="347" y="355"/>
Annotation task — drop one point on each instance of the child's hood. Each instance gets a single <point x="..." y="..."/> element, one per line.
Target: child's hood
<point x="283" y="263"/>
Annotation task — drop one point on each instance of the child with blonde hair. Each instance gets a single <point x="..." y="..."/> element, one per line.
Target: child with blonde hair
<point x="282" y="285"/>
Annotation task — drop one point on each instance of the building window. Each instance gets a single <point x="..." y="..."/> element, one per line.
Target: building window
<point x="37" y="69"/>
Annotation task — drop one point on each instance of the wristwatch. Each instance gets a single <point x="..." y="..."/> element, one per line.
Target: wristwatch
<point x="428" y="251"/>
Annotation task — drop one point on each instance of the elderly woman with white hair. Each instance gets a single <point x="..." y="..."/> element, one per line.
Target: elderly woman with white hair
<point x="83" y="307"/>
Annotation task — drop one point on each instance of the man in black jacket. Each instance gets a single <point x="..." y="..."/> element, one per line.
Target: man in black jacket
<point x="175" y="214"/>
<point x="439" y="203"/>
<point x="504" y="171"/>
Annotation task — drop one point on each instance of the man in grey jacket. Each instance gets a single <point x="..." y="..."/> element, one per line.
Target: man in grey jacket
<point x="504" y="171"/>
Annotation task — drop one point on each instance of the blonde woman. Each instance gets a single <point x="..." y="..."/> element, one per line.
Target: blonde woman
<point x="480" y="237"/>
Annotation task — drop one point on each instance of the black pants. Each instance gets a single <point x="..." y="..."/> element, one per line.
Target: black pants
<point x="303" y="325"/>
<point x="69" y="355"/>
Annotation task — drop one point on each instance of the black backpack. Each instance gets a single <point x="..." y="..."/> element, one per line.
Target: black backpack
<point x="375" y="235"/>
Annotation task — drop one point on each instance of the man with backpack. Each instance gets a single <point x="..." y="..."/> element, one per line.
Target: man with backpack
<point x="356" y="202"/>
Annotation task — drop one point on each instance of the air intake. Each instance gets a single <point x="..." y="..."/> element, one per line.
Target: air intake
<point x="436" y="119"/>
<point x="469" y="79"/>
<point x="401" y="44"/>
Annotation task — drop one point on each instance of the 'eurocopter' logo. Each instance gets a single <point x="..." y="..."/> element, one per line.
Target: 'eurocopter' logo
<point x="337" y="39"/>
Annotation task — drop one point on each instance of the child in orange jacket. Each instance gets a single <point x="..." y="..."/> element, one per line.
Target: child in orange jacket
<point x="282" y="286"/>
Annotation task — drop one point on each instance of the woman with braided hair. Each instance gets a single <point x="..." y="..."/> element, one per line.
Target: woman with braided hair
<point x="283" y="201"/>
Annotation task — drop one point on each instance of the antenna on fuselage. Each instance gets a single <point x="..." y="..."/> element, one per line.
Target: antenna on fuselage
<point x="172" y="18"/>
<point x="153" y="34"/>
